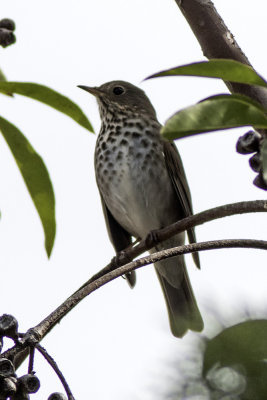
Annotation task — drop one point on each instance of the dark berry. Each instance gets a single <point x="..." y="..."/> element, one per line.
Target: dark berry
<point x="19" y="395"/>
<point x="8" y="326"/>
<point x="255" y="162"/>
<point x="248" y="143"/>
<point x="29" y="383"/>
<point x="259" y="182"/>
<point x="6" y="37"/>
<point x="6" y="368"/>
<point x="7" y="24"/>
<point x="57" y="396"/>
<point x="8" y="386"/>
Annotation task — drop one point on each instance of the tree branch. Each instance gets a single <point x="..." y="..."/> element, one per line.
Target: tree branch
<point x="72" y="301"/>
<point x="54" y="365"/>
<point x="108" y="273"/>
<point x="226" y="210"/>
<point x="40" y="330"/>
<point x="217" y="41"/>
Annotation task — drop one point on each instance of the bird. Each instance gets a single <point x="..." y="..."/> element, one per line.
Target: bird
<point x="143" y="187"/>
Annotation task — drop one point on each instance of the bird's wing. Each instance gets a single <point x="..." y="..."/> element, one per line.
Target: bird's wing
<point x="177" y="174"/>
<point x="119" y="237"/>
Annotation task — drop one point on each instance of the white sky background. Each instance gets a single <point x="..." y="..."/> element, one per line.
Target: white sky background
<point x="117" y="344"/>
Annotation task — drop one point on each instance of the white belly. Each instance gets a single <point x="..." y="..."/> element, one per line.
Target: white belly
<point x="135" y="184"/>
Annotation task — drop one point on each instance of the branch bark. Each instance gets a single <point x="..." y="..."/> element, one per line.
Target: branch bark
<point x="217" y="41"/>
<point x="45" y="326"/>
<point x="41" y="330"/>
<point x="226" y="210"/>
<point x="106" y="275"/>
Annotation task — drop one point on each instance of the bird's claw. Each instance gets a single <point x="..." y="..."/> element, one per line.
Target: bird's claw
<point x="120" y="259"/>
<point x="152" y="238"/>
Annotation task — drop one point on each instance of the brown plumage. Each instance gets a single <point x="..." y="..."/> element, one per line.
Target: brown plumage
<point x="143" y="187"/>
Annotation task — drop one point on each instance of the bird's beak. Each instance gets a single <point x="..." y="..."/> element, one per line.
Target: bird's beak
<point x="95" y="91"/>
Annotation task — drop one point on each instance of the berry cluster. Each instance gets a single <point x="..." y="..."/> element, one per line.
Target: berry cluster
<point x="250" y="143"/>
<point x="11" y="386"/>
<point x="7" y="37"/>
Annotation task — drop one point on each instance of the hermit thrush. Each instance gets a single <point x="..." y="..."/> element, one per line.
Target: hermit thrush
<point x="143" y="187"/>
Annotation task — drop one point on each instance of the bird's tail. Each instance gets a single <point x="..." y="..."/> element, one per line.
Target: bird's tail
<point x="181" y="304"/>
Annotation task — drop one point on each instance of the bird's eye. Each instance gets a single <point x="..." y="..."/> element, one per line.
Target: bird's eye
<point x="118" y="90"/>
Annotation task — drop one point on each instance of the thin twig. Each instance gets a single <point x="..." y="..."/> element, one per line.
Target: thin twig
<point x="54" y="365"/>
<point x="31" y="360"/>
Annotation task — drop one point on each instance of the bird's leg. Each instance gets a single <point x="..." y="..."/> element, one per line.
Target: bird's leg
<point x="152" y="238"/>
<point x="122" y="256"/>
<point x="120" y="259"/>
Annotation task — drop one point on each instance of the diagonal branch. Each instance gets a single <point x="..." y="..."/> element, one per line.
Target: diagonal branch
<point x="226" y="210"/>
<point x="108" y="273"/>
<point x="54" y="365"/>
<point x="72" y="301"/>
<point x="46" y="325"/>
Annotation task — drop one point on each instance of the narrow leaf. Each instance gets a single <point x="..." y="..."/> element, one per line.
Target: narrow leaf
<point x="236" y="96"/>
<point x="228" y="70"/>
<point x="2" y="76"/>
<point x="213" y="114"/>
<point x="49" y="97"/>
<point x="36" y="177"/>
<point x="3" y="79"/>
<point x="264" y="159"/>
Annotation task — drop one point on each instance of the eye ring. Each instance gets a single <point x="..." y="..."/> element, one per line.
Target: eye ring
<point x="118" y="90"/>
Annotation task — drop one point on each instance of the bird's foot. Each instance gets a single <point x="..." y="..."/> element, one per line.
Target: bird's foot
<point x="120" y="259"/>
<point x="152" y="238"/>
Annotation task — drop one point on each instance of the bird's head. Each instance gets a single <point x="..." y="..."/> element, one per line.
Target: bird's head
<point x="121" y="97"/>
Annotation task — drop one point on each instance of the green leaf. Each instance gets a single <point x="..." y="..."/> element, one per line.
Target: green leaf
<point x="215" y="113"/>
<point x="243" y="348"/>
<point x="2" y="76"/>
<point x="236" y="96"/>
<point x="36" y="177"/>
<point x="228" y="70"/>
<point x="263" y="154"/>
<point x="3" y="79"/>
<point x="49" y="97"/>
<point x="243" y="343"/>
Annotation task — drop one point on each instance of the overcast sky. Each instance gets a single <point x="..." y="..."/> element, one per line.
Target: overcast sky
<point x="117" y="342"/>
